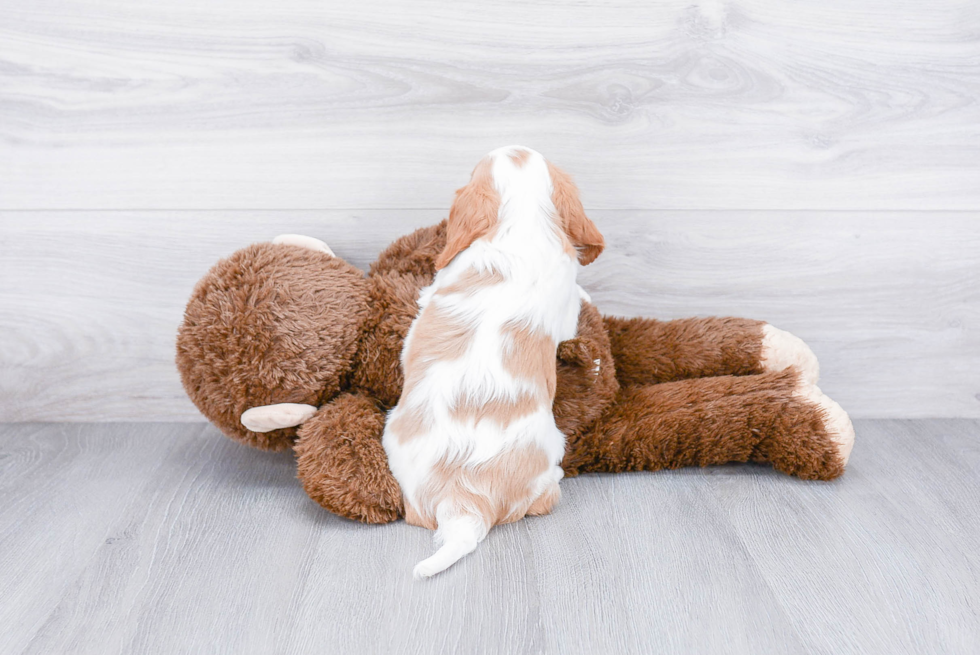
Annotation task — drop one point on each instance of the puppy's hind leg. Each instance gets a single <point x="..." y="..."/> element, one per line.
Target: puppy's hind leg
<point x="544" y="503"/>
<point x="550" y="492"/>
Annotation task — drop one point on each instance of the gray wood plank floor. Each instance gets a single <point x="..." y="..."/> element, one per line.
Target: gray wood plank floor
<point x="165" y="538"/>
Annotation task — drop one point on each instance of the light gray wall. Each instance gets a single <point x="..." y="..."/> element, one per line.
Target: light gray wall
<point x="814" y="164"/>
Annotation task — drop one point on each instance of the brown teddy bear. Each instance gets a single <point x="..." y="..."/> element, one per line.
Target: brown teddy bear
<point x="285" y="345"/>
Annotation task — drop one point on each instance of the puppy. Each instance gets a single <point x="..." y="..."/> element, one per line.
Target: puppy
<point x="472" y="440"/>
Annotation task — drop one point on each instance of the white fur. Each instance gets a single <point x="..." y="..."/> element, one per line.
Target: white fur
<point x="540" y="289"/>
<point x="838" y="423"/>
<point x="780" y="350"/>
<point x="302" y="241"/>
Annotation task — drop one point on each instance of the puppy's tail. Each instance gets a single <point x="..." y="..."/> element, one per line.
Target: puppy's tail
<point x="459" y="535"/>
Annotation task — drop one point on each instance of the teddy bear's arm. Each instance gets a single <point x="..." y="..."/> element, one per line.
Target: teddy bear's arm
<point x="586" y="374"/>
<point x="342" y="464"/>
<point x="771" y="417"/>
<point x="648" y="351"/>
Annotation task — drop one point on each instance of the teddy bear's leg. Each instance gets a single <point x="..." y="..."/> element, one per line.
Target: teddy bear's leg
<point x="276" y="417"/>
<point x="648" y="351"/>
<point x="836" y="420"/>
<point x="342" y="464"/>
<point x="769" y="417"/>
<point x="303" y="242"/>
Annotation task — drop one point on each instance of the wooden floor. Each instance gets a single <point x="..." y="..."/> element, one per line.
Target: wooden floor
<point x="167" y="538"/>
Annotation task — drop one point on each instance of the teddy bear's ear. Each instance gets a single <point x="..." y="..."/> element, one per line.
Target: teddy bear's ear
<point x="581" y="231"/>
<point x="276" y="417"/>
<point x="473" y="214"/>
<point x="303" y="242"/>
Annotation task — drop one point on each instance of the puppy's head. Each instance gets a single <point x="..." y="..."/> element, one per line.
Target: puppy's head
<point x="475" y="211"/>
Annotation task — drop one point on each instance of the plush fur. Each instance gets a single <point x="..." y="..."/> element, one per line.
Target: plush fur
<point x="272" y="324"/>
<point x="275" y="324"/>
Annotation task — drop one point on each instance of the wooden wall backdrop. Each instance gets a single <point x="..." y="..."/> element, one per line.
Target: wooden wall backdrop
<point x="814" y="164"/>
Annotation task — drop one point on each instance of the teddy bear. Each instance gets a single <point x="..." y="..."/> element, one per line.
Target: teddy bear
<point x="286" y="345"/>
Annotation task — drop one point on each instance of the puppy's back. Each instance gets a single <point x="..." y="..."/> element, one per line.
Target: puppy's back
<point x="473" y="441"/>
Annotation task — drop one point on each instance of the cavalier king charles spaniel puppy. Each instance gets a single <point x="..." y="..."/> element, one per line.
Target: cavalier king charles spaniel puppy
<point x="473" y="441"/>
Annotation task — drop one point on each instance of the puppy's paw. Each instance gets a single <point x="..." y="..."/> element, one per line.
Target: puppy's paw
<point x="837" y="422"/>
<point x="780" y="350"/>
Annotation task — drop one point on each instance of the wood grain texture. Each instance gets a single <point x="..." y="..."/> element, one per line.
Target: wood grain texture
<point x="90" y="301"/>
<point x="749" y="104"/>
<point x="169" y="538"/>
<point x="859" y="556"/>
<point x="63" y="487"/>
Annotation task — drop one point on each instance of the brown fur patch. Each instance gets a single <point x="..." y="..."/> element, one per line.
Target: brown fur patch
<point x="473" y="214"/>
<point x="438" y="337"/>
<point x="583" y="234"/>
<point x="519" y="157"/>
<point x="498" y="490"/>
<point x="648" y="351"/>
<point x="410" y="423"/>
<point x="530" y="355"/>
<point x="472" y="280"/>
<point x="503" y="411"/>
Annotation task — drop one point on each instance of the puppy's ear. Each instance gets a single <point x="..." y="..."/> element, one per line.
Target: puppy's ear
<point x="582" y="232"/>
<point x="473" y="214"/>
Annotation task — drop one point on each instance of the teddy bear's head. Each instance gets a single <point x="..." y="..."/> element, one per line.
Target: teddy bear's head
<point x="271" y="324"/>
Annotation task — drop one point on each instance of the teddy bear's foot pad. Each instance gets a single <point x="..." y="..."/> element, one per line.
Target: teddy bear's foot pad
<point x="838" y="423"/>
<point x="780" y="350"/>
<point x="275" y="417"/>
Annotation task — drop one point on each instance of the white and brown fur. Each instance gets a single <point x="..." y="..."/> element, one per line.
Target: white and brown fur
<point x="472" y="440"/>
